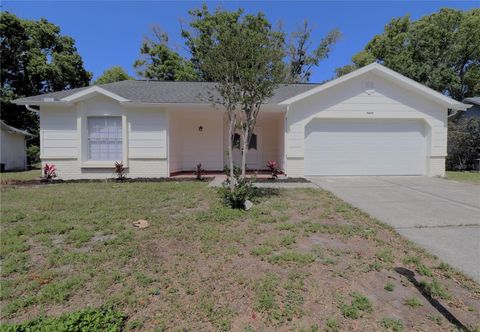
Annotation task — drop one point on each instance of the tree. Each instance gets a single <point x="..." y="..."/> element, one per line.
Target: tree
<point x="441" y="50"/>
<point x="463" y="143"/>
<point x="301" y="61"/>
<point x="244" y="56"/>
<point x="36" y="59"/>
<point x="298" y="57"/>
<point x="113" y="74"/>
<point x="160" y="62"/>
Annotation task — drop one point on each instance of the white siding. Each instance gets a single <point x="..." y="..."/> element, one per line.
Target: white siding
<point x="350" y="100"/>
<point x="13" y="153"/>
<point x="58" y="133"/>
<point x="147" y="134"/>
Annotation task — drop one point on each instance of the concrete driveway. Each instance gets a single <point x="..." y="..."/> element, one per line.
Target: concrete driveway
<point x="440" y="215"/>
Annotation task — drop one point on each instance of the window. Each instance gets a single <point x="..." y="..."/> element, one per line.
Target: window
<point x="105" y="138"/>
<point x="236" y="141"/>
<point x="253" y="142"/>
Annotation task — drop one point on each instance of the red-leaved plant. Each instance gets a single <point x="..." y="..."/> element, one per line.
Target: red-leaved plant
<point x="49" y="172"/>
<point x="272" y="167"/>
<point x="199" y="172"/>
<point x="120" y="171"/>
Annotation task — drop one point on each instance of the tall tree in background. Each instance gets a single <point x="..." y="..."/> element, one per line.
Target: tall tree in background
<point x="159" y="62"/>
<point x="36" y="59"/>
<point x="244" y="55"/>
<point x="300" y="59"/>
<point x="441" y="50"/>
<point x="113" y="74"/>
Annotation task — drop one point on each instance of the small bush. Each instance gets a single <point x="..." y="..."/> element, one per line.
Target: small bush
<point x="92" y="320"/>
<point x="49" y="172"/>
<point x="391" y="324"/>
<point x="199" y="172"/>
<point x="243" y="189"/>
<point x="120" y="171"/>
<point x="273" y="168"/>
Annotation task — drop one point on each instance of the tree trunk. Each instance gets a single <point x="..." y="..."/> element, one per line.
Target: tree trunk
<point x="244" y="151"/>
<point x="231" y="128"/>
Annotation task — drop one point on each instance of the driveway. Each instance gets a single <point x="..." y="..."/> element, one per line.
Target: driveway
<point x="440" y="215"/>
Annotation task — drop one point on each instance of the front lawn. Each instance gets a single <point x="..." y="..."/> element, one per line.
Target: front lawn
<point x="9" y="177"/>
<point x="300" y="260"/>
<point x="470" y="177"/>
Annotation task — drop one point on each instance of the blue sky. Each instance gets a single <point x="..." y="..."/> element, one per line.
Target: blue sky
<point x="109" y="33"/>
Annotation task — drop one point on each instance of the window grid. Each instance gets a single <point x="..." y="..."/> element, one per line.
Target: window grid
<point x="105" y="138"/>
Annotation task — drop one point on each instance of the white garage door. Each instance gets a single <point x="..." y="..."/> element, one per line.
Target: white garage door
<point x="365" y="147"/>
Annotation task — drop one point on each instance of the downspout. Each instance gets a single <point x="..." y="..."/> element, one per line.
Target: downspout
<point x="28" y="107"/>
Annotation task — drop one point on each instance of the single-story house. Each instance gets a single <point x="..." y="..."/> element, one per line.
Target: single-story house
<point x="474" y="111"/>
<point x="372" y="121"/>
<point x="13" y="148"/>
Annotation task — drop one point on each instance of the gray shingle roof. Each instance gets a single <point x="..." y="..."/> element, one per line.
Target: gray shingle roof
<point x="169" y="92"/>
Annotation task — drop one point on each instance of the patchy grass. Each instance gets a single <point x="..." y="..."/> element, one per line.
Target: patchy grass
<point x="413" y="302"/>
<point x="469" y="177"/>
<point x="389" y="286"/>
<point x="8" y="177"/>
<point x="391" y="324"/>
<point x="318" y="264"/>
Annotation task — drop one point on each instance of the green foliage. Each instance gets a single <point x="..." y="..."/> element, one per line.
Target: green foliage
<point x="113" y="74"/>
<point x="265" y="291"/>
<point x="463" y="143"/>
<point x="391" y="324"/>
<point x="332" y="325"/>
<point x="389" y="286"/>
<point x="423" y="270"/>
<point x="435" y="289"/>
<point x="301" y="59"/>
<point x="243" y="189"/>
<point x="261" y="251"/>
<point x="413" y="302"/>
<point x="33" y="155"/>
<point x="103" y="319"/>
<point x="36" y="59"/>
<point x="439" y="50"/>
<point x="159" y="62"/>
<point x="360" y="304"/>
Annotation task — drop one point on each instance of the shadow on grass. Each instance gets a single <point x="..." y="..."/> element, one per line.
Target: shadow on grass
<point x="434" y="302"/>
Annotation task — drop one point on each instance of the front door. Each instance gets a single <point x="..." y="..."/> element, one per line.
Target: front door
<point x="254" y="154"/>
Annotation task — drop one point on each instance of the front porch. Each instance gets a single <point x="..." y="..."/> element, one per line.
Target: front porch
<point x="201" y="136"/>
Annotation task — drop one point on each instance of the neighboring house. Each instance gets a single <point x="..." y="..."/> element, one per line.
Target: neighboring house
<point x="372" y="121"/>
<point x="13" y="148"/>
<point x="474" y="111"/>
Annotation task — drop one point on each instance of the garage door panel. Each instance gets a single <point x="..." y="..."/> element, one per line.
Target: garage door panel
<point x="360" y="147"/>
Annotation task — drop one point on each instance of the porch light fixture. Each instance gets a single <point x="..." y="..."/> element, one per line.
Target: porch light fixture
<point x="200" y="129"/>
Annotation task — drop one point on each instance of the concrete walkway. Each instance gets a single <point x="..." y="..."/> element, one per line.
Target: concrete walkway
<point x="440" y="215"/>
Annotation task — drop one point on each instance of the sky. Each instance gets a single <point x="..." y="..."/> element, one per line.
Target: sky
<point x="109" y="33"/>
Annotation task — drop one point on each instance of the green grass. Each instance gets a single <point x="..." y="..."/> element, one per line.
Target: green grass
<point x="199" y="265"/>
<point x="469" y="177"/>
<point x="413" y="302"/>
<point x="389" y="286"/>
<point x="391" y="324"/>
<point x="33" y="174"/>
<point x="435" y="289"/>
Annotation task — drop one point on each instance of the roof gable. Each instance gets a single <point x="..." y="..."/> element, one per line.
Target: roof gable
<point x="388" y="74"/>
<point x="91" y="92"/>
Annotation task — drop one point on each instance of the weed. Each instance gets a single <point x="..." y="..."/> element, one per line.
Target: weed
<point x="265" y="293"/>
<point x="288" y="240"/>
<point x="391" y="324"/>
<point x="413" y="302"/>
<point x="435" y="318"/>
<point x="389" y="286"/>
<point x="435" y="289"/>
<point x="285" y="227"/>
<point x="423" y="270"/>
<point x="357" y="307"/>
<point x="261" y="251"/>
<point x="385" y="255"/>
<point x="332" y="325"/>
<point x="293" y="257"/>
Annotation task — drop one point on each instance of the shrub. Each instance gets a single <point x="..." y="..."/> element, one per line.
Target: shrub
<point x="463" y="143"/>
<point x="120" y="171"/>
<point x="102" y="319"/>
<point x="49" y="172"/>
<point x="272" y="167"/>
<point x="33" y="155"/>
<point x="199" y="172"/>
<point x="243" y="190"/>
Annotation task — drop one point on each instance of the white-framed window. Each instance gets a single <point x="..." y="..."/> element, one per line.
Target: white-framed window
<point x="105" y="138"/>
